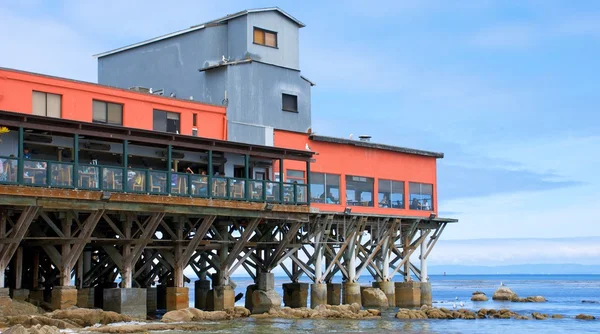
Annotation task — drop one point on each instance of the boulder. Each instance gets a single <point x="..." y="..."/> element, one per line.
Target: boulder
<point x="321" y="312"/>
<point x="504" y="293"/>
<point x="193" y="314"/>
<point x="84" y="317"/>
<point x="530" y="299"/>
<point x="37" y="329"/>
<point x="263" y="301"/>
<point x="557" y="316"/>
<point x="585" y="317"/>
<point x="374" y="297"/>
<point x="539" y="316"/>
<point x="479" y="297"/>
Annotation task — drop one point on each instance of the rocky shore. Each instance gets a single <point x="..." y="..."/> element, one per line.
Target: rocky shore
<point x="427" y="312"/>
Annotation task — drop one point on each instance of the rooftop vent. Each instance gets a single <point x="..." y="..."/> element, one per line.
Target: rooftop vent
<point x="140" y="89"/>
<point x="366" y="138"/>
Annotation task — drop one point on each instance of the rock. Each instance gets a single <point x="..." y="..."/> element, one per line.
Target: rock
<point x="539" y="316"/>
<point x="193" y="314"/>
<point x="145" y="328"/>
<point x="479" y="297"/>
<point x="239" y="312"/>
<point x="263" y="301"/>
<point x="521" y="317"/>
<point x="585" y="317"/>
<point x="19" y="308"/>
<point x="33" y="320"/>
<point x="374" y="297"/>
<point x="84" y="317"/>
<point x="37" y="329"/>
<point x="530" y="299"/>
<point x="590" y="301"/>
<point x="557" y="316"/>
<point x="504" y="293"/>
<point x="321" y="312"/>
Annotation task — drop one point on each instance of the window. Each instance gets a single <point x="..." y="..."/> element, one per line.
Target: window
<point x="421" y="196"/>
<point x="294" y="175"/>
<point x="391" y="194"/>
<point x="325" y="188"/>
<point x="289" y="102"/>
<point x="107" y="112"/>
<point x="194" y="119"/>
<point x="195" y="132"/>
<point x="46" y="104"/>
<point x="265" y="37"/>
<point x="166" y="121"/>
<point x="359" y="190"/>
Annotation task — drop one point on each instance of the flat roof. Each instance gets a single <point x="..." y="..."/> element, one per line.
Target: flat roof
<point x="368" y="144"/>
<point x="114" y="132"/>
<point x="202" y="26"/>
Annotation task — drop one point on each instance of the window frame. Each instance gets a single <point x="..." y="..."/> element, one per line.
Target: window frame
<point x="178" y="131"/>
<point x="420" y="194"/>
<point x="350" y="179"/>
<point x="46" y="103"/>
<point x="392" y="192"/>
<point x="326" y="185"/>
<point x="264" y="33"/>
<point x="291" y="179"/>
<point x="283" y="104"/>
<point x="106" y="103"/>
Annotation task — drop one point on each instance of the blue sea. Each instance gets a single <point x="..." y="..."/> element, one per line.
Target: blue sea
<point x="564" y="293"/>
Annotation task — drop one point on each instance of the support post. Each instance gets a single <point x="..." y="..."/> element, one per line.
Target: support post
<point x="423" y="257"/>
<point x="210" y="173"/>
<point x="127" y="272"/>
<point x="65" y="270"/>
<point x="75" y="159"/>
<point x="21" y="148"/>
<point x="169" y="167"/>
<point x="18" y="261"/>
<point x="308" y="182"/>
<point x="126" y="164"/>
<point x="247" y="176"/>
<point x="281" y="181"/>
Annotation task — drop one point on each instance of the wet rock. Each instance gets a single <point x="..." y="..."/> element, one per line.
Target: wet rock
<point x="479" y="296"/>
<point x="263" y="301"/>
<point x="539" y="316"/>
<point x="193" y="314"/>
<point x="521" y="317"/>
<point x="504" y="293"/>
<point x="33" y="320"/>
<point x="585" y="317"/>
<point x="84" y="317"/>
<point x="38" y="329"/>
<point x="557" y="316"/>
<point x="145" y="328"/>
<point x="530" y="299"/>
<point x="19" y="308"/>
<point x="321" y="312"/>
<point x="374" y="297"/>
<point x="590" y="301"/>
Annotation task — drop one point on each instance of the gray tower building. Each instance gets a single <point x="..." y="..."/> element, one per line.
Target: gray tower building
<point x="248" y="61"/>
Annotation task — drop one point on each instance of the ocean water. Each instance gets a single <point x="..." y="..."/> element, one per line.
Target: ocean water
<point x="564" y="293"/>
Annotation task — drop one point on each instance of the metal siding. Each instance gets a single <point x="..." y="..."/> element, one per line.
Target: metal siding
<point x="247" y="133"/>
<point x="170" y="64"/>
<point x="237" y="38"/>
<point x="286" y="54"/>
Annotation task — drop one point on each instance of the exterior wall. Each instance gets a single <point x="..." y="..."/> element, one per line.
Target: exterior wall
<point x="171" y="64"/>
<point x="286" y="54"/>
<point x="358" y="161"/>
<point x="259" y="103"/>
<point x="237" y="38"/>
<point x="16" y="95"/>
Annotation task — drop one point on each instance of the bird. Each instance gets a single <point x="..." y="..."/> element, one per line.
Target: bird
<point x="191" y="98"/>
<point x="454" y="306"/>
<point x="456" y="298"/>
<point x="350" y="136"/>
<point x="501" y="284"/>
<point x="150" y="90"/>
<point x="462" y="304"/>
<point x="172" y="94"/>
<point x="307" y="147"/>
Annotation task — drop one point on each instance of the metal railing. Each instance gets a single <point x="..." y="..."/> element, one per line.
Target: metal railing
<point x="55" y="174"/>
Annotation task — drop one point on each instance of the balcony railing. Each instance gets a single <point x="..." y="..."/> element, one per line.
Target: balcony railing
<point x="67" y="175"/>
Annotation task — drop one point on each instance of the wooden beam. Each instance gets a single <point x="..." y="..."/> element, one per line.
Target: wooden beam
<point x="237" y="248"/>
<point x="19" y="231"/>
<point x="146" y="237"/>
<point x="199" y="234"/>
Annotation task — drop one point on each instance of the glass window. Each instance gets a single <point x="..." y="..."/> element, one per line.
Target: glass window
<point x="289" y="102"/>
<point x="46" y="104"/>
<point x="421" y="196"/>
<point x="265" y="37"/>
<point x="166" y="121"/>
<point x="294" y="175"/>
<point x="107" y="112"/>
<point x="325" y="188"/>
<point x="391" y="194"/>
<point x="359" y="190"/>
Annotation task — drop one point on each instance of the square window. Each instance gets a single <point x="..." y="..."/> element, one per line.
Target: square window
<point x="265" y="37"/>
<point x="46" y="104"/>
<point x="107" y="112"/>
<point x="166" y="121"/>
<point x="289" y="102"/>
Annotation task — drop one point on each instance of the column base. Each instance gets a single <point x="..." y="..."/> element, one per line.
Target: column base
<point x="373" y="297"/>
<point x="19" y="294"/>
<point x="85" y="298"/>
<point x="5" y="296"/>
<point x="248" y="300"/>
<point x="266" y="281"/>
<point x="37" y="296"/>
<point x="63" y="297"/>
<point x="318" y="294"/>
<point x="334" y="293"/>
<point x="263" y="301"/>
<point x="389" y="289"/>
<point x="223" y="298"/>
<point x="99" y="293"/>
<point x="177" y="298"/>
<point x="151" y="296"/>
<point x="426" y="298"/>
<point x="127" y="301"/>
<point x="351" y="293"/>
<point x="295" y="295"/>
<point x="201" y="288"/>
<point x="408" y="294"/>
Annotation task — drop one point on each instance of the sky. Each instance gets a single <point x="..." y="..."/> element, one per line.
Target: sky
<point x="507" y="90"/>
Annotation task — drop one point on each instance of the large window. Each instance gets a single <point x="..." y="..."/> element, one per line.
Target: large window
<point x="292" y="176"/>
<point x="359" y="190"/>
<point x="391" y="194"/>
<point x="265" y="37"/>
<point x="325" y="188"/>
<point x="166" y="121"/>
<point x="421" y="196"/>
<point x="289" y="102"/>
<point x="46" y="104"/>
<point x="107" y="112"/>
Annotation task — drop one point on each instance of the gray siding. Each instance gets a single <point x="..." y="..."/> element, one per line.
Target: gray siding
<point x="170" y="64"/>
<point x="246" y="133"/>
<point x="237" y="39"/>
<point x="255" y="96"/>
<point x="286" y="54"/>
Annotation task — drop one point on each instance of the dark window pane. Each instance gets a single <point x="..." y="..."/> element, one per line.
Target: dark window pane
<point x="289" y="102"/>
<point x="159" y="120"/>
<point x="421" y="196"/>
<point x="194" y="119"/>
<point x="359" y="190"/>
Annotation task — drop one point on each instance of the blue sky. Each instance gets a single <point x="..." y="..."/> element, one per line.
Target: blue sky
<point x="508" y="90"/>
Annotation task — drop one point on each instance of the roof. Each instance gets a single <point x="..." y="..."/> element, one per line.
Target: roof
<point x="202" y="26"/>
<point x="367" y="144"/>
<point x="114" y="132"/>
